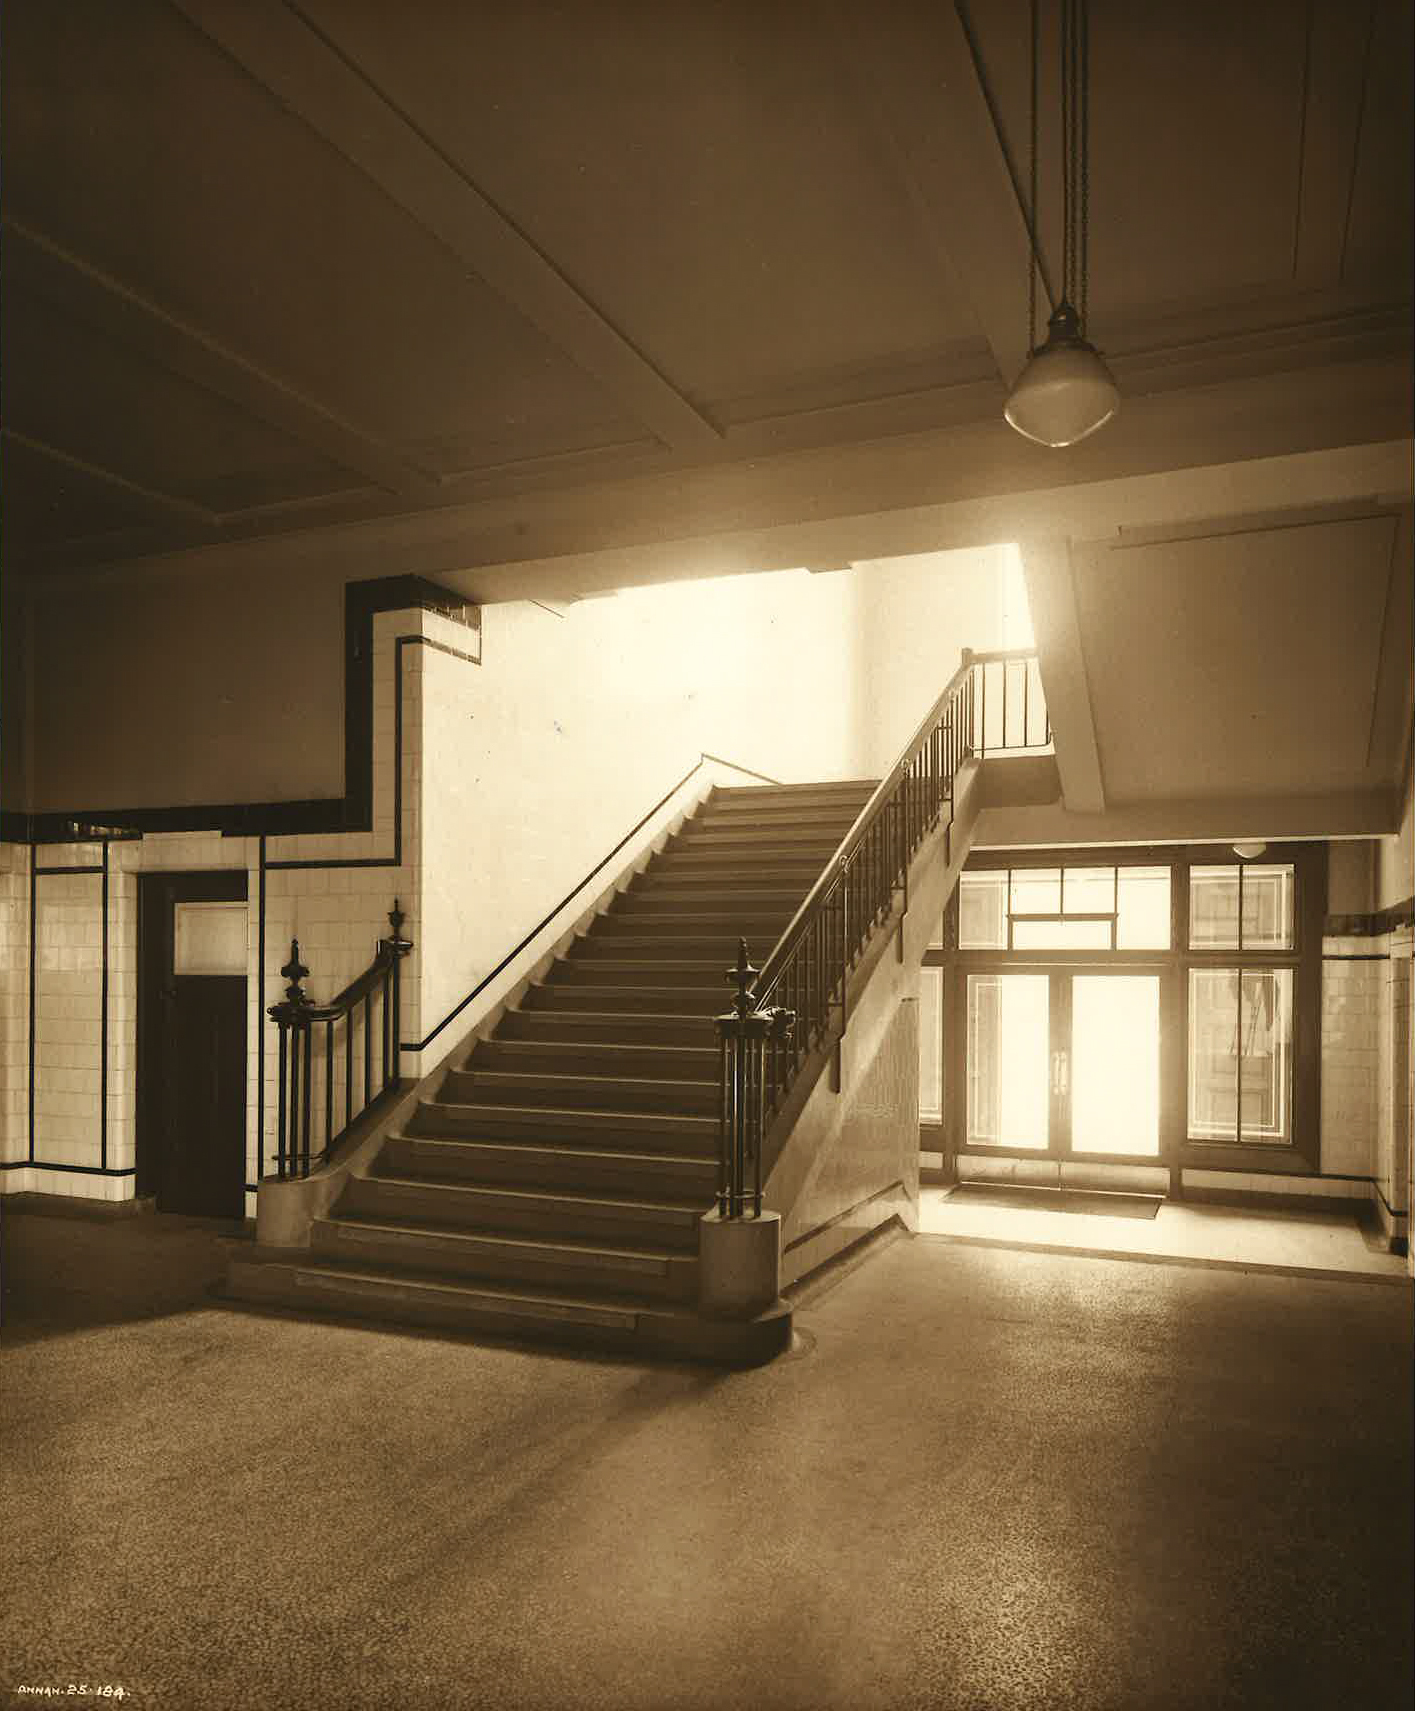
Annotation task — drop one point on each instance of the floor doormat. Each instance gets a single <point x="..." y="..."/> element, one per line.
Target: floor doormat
<point x="1097" y="1201"/>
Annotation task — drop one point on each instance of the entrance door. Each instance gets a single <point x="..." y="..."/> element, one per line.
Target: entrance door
<point x="1064" y="1063"/>
<point x="192" y="1042"/>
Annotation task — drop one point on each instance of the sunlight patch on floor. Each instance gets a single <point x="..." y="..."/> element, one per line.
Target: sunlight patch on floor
<point x="1300" y="1240"/>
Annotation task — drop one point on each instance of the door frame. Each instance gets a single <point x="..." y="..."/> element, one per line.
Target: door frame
<point x="1060" y="970"/>
<point x="157" y="893"/>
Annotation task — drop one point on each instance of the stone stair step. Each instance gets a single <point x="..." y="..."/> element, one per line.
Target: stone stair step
<point x="624" y="1323"/>
<point x="581" y="1092"/>
<point x="765" y="902"/>
<point x="599" y="1058"/>
<point x="658" y="972"/>
<point x="555" y="1262"/>
<point x="623" y="1130"/>
<point x="610" y="1027"/>
<point x="650" y="1000"/>
<point x="542" y="1164"/>
<point x="691" y="922"/>
<point x="607" y="1215"/>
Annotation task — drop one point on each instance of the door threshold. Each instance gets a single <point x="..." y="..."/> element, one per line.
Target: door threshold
<point x="1097" y="1202"/>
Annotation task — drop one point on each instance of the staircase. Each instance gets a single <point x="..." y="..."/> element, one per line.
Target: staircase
<point x="553" y="1184"/>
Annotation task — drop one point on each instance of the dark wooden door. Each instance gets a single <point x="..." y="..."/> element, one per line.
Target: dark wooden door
<point x="192" y="1043"/>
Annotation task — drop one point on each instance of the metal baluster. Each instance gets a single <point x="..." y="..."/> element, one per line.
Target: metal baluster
<point x="368" y="1048"/>
<point x="386" y="1018"/>
<point x="328" y="1084"/>
<point x="281" y="1158"/>
<point x="308" y="1049"/>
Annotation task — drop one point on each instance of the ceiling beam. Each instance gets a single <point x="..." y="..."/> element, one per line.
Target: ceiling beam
<point x="312" y="77"/>
<point x="39" y="265"/>
<point x="1342" y="814"/>
<point x="1051" y="597"/>
<point x="923" y="91"/>
<point x="1394" y="701"/>
<point x="1337" y="68"/>
<point x="152" y="499"/>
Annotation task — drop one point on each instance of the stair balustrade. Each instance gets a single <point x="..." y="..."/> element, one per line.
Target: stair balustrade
<point x="326" y="1032"/>
<point x="798" y="998"/>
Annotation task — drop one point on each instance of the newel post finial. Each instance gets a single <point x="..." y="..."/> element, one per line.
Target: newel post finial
<point x="396" y="942"/>
<point x="294" y="972"/>
<point x="743" y="1000"/>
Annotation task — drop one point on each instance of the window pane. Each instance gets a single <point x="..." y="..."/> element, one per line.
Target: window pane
<point x="930" y="1046"/>
<point x="209" y="938"/>
<point x="1213" y="908"/>
<point x="1240" y="1017"/>
<point x="1061" y="935"/>
<point x="1213" y="1054"/>
<point x="982" y="911"/>
<point x="1267" y="908"/>
<point x="1036" y="891"/>
<point x="1266" y="1017"/>
<point x="1088" y="891"/>
<point x="1142" y="909"/>
<point x="1115" y="1064"/>
<point x="1008" y="1058"/>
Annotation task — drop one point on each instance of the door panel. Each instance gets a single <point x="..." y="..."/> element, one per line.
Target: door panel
<point x="1115" y="1064"/>
<point x="192" y="1044"/>
<point x="1009" y="1054"/>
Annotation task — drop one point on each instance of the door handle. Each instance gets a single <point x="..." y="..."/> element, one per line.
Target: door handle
<point x="1060" y="1073"/>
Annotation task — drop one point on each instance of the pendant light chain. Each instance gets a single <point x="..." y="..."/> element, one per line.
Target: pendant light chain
<point x="1084" y="93"/>
<point x="1033" y="255"/>
<point x="1068" y="154"/>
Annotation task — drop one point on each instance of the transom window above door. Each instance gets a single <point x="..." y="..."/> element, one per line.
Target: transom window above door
<point x="1065" y="908"/>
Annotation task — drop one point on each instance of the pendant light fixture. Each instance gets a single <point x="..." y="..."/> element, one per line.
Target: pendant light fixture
<point x="1066" y="391"/>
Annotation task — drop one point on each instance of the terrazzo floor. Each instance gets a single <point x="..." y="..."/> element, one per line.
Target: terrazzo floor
<point x="983" y="1479"/>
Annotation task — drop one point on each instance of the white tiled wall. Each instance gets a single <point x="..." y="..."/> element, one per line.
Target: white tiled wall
<point x="14" y="1008"/>
<point x="337" y="913"/>
<point x="1352" y="992"/>
<point x="1397" y="1086"/>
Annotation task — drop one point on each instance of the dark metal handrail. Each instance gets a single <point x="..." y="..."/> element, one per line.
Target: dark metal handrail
<point x="298" y="1147"/>
<point x="783" y="1010"/>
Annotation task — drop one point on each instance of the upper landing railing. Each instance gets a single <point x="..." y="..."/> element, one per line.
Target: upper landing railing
<point x="781" y="1012"/>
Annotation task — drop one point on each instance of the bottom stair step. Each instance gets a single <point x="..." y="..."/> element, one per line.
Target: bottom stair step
<point x="303" y="1282"/>
<point x="505" y="1256"/>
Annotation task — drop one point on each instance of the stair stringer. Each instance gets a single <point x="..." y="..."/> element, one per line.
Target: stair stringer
<point x="841" y="1163"/>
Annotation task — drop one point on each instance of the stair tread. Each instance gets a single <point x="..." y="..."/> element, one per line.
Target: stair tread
<point x="569" y="1197"/>
<point x="541" y="1113"/>
<point x="520" y="1241"/>
<point x="495" y="1077"/>
<point x="556" y="1303"/>
<point x="603" y="1155"/>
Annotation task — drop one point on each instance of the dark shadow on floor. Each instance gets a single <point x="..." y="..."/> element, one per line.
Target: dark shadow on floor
<point x="63" y="1274"/>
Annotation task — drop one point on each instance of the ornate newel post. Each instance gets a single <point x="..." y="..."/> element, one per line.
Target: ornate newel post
<point x="294" y="1077"/>
<point x="739" y="1245"/>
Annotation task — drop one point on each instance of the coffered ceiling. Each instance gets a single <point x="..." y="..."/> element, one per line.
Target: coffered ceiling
<point x="551" y="278"/>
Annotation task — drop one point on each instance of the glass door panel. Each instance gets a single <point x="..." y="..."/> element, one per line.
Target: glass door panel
<point x="1008" y="1057"/>
<point x="1115" y="1064"/>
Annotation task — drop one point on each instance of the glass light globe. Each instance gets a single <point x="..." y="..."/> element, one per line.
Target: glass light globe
<point x="1065" y="392"/>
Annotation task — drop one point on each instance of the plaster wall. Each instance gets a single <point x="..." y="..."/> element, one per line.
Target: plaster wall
<point x="178" y="692"/>
<point x="1395" y="871"/>
<point x="579" y="720"/>
<point x="917" y="615"/>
